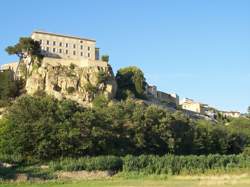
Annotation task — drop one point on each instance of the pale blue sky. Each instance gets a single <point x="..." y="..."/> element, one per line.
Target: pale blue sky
<point x="199" y="49"/>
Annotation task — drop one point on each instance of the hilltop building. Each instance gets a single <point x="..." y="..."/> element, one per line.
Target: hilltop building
<point x="232" y="114"/>
<point x="171" y="100"/>
<point x="10" y="66"/>
<point x="191" y="105"/>
<point x="65" y="49"/>
<point x="65" y="46"/>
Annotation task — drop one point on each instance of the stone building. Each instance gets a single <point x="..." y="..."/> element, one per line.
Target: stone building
<point x="10" y="66"/>
<point x="191" y="105"/>
<point x="65" y="50"/>
<point x="171" y="100"/>
<point x="233" y="114"/>
<point x="65" y="46"/>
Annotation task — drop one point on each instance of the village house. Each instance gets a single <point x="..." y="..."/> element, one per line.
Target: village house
<point x="171" y="100"/>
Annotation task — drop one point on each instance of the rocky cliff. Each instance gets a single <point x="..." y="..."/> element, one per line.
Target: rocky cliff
<point x="81" y="84"/>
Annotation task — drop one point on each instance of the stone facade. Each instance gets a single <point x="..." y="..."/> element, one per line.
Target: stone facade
<point x="66" y="47"/>
<point x="10" y="66"/>
<point x="191" y="105"/>
<point x="233" y="114"/>
<point x="171" y="100"/>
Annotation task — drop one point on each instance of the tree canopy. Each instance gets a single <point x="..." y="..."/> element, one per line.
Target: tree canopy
<point x="9" y="88"/>
<point x="26" y="45"/>
<point x="131" y="81"/>
<point x="44" y="128"/>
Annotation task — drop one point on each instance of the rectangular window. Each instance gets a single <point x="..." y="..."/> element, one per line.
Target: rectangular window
<point x="88" y="54"/>
<point x="60" y="44"/>
<point x="74" y="46"/>
<point x="66" y="51"/>
<point x="88" y="48"/>
<point x="66" y="45"/>
<point x="81" y="53"/>
<point x="74" y="52"/>
<point x="47" y="42"/>
<point x="41" y="41"/>
<point x="47" y="49"/>
<point x="54" y="50"/>
<point x="60" y="50"/>
<point x="81" y="46"/>
<point x="54" y="43"/>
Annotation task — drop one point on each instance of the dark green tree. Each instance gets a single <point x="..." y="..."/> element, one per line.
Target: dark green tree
<point x="105" y="58"/>
<point x="25" y="46"/>
<point x="130" y="80"/>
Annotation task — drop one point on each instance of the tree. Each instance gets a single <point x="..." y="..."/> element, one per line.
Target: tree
<point x="9" y="87"/>
<point x="248" y="111"/>
<point x="130" y="80"/>
<point x="105" y="58"/>
<point x="25" y="46"/>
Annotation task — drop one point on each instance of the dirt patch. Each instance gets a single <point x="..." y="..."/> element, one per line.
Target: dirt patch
<point x="82" y="175"/>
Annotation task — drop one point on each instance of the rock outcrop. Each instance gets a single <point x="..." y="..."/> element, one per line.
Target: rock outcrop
<point x="81" y="84"/>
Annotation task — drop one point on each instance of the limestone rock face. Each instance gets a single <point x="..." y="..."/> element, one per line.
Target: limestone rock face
<point x="81" y="84"/>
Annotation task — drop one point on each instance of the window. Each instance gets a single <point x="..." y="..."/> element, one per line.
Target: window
<point x="81" y="53"/>
<point x="88" y="48"/>
<point x="74" y="52"/>
<point x="81" y="41"/>
<point x="54" y="43"/>
<point x="41" y="41"/>
<point x="60" y="44"/>
<point x="81" y="46"/>
<point x="47" y="42"/>
<point x="66" y="45"/>
<point x="74" y="46"/>
<point x="47" y="49"/>
<point x="60" y="50"/>
<point x="88" y="54"/>
<point x="66" y="51"/>
<point x="54" y="50"/>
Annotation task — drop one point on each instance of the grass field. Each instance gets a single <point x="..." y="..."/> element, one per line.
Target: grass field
<point x="240" y="180"/>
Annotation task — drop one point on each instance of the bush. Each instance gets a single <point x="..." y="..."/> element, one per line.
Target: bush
<point x="170" y="164"/>
<point x="88" y="163"/>
<point x="70" y="90"/>
<point x="102" y="76"/>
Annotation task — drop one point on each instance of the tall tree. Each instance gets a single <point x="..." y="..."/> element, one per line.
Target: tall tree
<point x="25" y="47"/>
<point x="130" y="80"/>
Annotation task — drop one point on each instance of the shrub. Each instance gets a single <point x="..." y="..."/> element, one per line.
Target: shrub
<point x="72" y="66"/>
<point x="70" y="90"/>
<point x="88" y="163"/>
<point x="102" y="76"/>
<point x="170" y="164"/>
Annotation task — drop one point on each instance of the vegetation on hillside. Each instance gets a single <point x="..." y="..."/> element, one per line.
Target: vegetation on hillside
<point x="9" y="88"/>
<point x="43" y="128"/>
<point x="131" y="83"/>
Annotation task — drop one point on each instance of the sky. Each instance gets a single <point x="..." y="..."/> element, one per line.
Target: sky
<point x="199" y="49"/>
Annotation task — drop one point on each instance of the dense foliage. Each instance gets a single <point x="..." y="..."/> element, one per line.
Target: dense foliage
<point x="131" y="82"/>
<point x="151" y="164"/>
<point x="25" y="46"/>
<point x="100" y="163"/>
<point x="170" y="164"/>
<point x="43" y="128"/>
<point x="9" y="88"/>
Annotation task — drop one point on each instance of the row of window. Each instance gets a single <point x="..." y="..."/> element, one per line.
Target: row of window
<point x="54" y="43"/>
<point x="60" y="51"/>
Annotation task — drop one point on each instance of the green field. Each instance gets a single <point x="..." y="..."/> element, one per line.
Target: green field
<point x="240" y="180"/>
